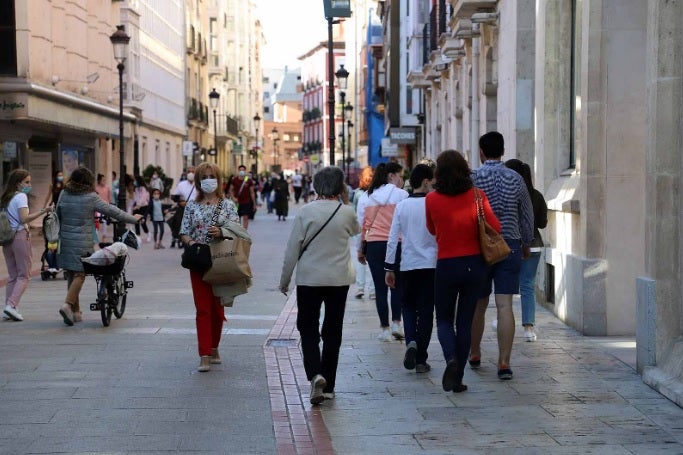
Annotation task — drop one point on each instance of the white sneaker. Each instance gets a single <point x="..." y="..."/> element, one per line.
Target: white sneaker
<point x="494" y="325"/>
<point x="359" y="294"/>
<point x="529" y="334"/>
<point x="397" y="331"/>
<point x="372" y="295"/>
<point x="13" y="313"/>
<point x="318" y="383"/>
<point x="149" y="238"/>
<point x="384" y="335"/>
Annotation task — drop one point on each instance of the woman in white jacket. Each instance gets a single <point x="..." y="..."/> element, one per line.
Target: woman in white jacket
<point x="375" y="213"/>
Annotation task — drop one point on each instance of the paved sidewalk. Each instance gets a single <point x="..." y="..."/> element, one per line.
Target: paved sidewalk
<point x="133" y="387"/>
<point x="570" y="395"/>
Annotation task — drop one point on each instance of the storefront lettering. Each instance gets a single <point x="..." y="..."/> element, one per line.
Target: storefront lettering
<point x="5" y="106"/>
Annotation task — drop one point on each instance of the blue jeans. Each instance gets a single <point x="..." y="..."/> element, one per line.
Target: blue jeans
<point x="527" y="288"/>
<point x="457" y="283"/>
<point x="418" y="309"/>
<point x="375" y="256"/>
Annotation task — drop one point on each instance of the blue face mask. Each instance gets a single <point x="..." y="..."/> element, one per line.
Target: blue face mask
<point x="25" y="189"/>
<point x="60" y="178"/>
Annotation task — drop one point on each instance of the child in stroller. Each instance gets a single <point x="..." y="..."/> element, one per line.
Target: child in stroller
<point x="48" y="260"/>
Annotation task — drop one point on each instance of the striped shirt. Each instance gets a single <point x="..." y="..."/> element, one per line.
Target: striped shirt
<point x="509" y="199"/>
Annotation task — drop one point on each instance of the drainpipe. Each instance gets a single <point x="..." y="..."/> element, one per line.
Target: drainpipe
<point x="474" y="117"/>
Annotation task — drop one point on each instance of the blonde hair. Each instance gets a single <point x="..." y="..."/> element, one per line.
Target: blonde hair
<point x="366" y="177"/>
<point x="207" y="169"/>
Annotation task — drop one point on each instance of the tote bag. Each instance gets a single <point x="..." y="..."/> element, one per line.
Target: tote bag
<point x="229" y="261"/>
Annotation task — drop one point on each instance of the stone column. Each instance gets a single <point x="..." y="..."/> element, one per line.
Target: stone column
<point x="660" y="349"/>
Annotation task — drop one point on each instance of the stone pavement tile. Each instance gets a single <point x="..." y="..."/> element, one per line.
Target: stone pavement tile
<point x="377" y="445"/>
<point x="118" y="444"/>
<point x="458" y="440"/>
<point x="224" y="443"/>
<point x="589" y="410"/>
<point x="558" y="450"/>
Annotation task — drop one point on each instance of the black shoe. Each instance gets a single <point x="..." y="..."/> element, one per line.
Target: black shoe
<point x="448" y="381"/>
<point x="505" y="374"/>
<point x="475" y="363"/>
<point x="410" y="358"/>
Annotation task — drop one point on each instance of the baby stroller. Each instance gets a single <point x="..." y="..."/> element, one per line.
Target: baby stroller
<point x="48" y="260"/>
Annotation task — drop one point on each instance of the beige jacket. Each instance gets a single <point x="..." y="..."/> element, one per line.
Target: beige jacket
<point x="326" y="261"/>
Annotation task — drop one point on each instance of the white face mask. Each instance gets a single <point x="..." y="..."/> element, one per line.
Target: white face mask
<point x="209" y="185"/>
<point x="242" y="173"/>
<point x="190" y="176"/>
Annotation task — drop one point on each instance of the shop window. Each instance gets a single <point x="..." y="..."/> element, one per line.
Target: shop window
<point x="8" y="50"/>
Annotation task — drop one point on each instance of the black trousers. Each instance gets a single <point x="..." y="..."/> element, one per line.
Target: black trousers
<point x="309" y="300"/>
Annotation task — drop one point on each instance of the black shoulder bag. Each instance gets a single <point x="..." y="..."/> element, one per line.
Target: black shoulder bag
<point x="197" y="257"/>
<point x="303" y="250"/>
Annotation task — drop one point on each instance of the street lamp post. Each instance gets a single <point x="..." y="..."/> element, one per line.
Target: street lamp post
<point x="349" y="125"/>
<point x="276" y="140"/>
<point x="214" y="96"/>
<point x="342" y="96"/>
<point x="257" y="120"/>
<point x="348" y="108"/>
<point x="333" y="8"/>
<point x="342" y="79"/>
<point x="119" y="39"/>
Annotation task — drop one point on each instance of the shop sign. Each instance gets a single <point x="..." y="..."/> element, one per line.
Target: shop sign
<point x="236" y="148"/>
<point x="403" y="135"/>
<point x="13" y="106"/>
<point x="315" y="159"/>
<point x="388" y="149"/>
<point x="9" y="150"/>
<point x="188" y="148"/>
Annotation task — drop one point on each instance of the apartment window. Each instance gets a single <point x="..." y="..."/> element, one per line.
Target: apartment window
<point x="575" y="70"/>
<point x="409" y="100"/>
<point x="8" y="49"/>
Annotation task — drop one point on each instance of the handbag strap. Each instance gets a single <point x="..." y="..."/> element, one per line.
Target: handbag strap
<point x="303" y="250"/>
<point x="478" y="203"/>
<point x="214" y="218"/>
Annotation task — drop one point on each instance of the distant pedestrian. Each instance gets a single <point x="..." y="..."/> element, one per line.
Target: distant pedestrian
<point x="375" y="212"/>
<point x="76" y="225"/>
<point x="527" y="274"/>
<point x="156" y="183"/>
<point x="318" y="247"/>
<point x="141" y="206"/>
<point x="156" y="213"/>
<point x="184" y="192"/>
<point x="509" y="198"/>
<point x="417" y="264"/>
<point x="268" y="194"/>
<point x="197" y="224"/>
<point x="18" y="254"/>
<point x="460" y="269"/>
<point x="363" y="275"/>
<point x="104" y="192"/>
<point x="241" y="190"/>
<point x="281" y="188"/>
<point x="297" y="185"/>
<point x="56" y="187"/>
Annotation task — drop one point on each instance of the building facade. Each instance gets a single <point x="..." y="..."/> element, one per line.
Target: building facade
<point x="588" y="92"/>
<point x="56" y="92"/>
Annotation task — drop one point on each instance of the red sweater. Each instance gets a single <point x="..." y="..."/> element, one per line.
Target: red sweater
<point x="453" y="220"/>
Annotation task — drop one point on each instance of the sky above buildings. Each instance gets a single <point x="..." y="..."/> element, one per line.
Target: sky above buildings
<point x="291" y="28"/>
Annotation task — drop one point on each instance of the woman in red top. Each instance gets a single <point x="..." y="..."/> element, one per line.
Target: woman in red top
<point x="460" y="268"/>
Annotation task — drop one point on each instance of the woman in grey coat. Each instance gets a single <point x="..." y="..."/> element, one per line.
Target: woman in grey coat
<point x="75" y="209"/>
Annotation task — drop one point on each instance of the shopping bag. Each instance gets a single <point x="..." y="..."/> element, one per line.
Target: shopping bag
<point x="229" y="261"/>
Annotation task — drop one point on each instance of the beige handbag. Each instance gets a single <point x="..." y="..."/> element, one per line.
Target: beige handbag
<point x="230" y="257"/>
